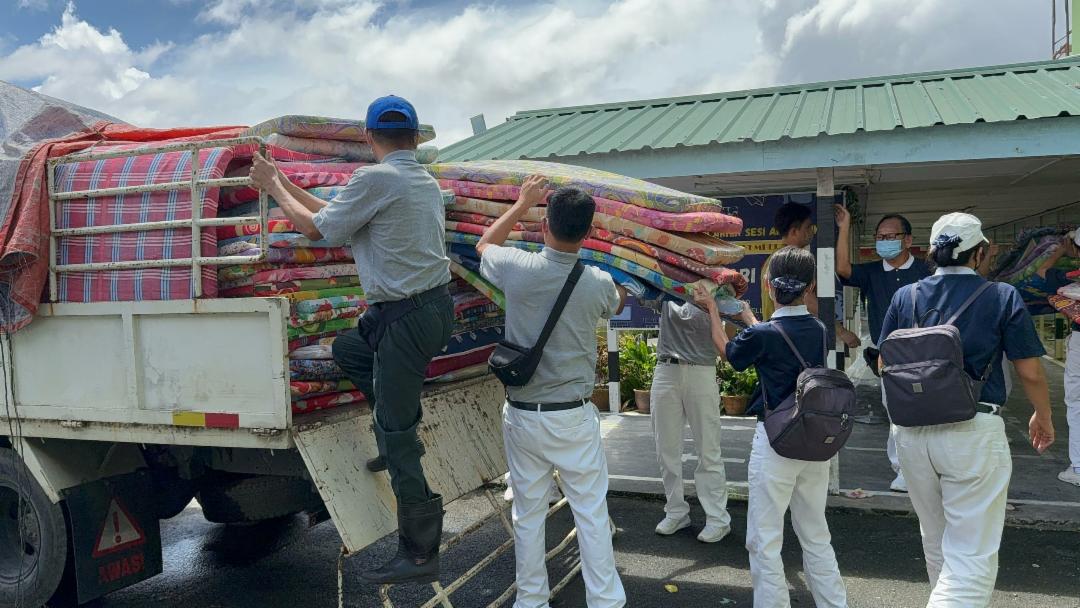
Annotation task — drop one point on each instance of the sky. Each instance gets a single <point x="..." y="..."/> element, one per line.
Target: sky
<point x="161" y="63"/>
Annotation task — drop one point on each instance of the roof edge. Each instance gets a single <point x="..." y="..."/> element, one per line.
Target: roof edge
<point x="791" y="88"/>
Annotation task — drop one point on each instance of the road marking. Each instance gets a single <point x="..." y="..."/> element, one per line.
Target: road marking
<point x="689" y="457"/>
<point x="1060" y="364"/>
<point x="733" y="484"/>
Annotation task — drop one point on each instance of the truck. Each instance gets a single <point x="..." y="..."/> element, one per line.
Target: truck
<point x="117" y="414"/>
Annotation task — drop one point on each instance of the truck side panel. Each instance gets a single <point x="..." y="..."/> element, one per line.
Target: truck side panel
<point x="183" y="363"/>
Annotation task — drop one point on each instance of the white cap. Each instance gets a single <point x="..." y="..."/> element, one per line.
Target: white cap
<point x="1075" y="236"/>
<point x="964" y="226"/>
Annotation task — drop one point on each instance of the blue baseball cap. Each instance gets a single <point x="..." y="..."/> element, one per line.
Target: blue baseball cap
<point x="391" y="103"/>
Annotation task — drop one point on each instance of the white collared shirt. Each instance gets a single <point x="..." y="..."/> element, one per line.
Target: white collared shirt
<point x="954" y="270"/>
<point x="790" y="311"/>
<point x="889" y="267"/>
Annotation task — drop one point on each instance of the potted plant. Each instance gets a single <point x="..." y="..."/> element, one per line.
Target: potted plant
<point x="637" y="361"/>
<point x="735" y="388"/>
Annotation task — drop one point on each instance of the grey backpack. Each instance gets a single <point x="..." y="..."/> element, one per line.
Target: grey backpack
<point x="814" y="422"/>
<point x="924" y="376"/>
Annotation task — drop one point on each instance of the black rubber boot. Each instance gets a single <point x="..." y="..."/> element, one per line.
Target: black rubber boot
<point x="419" y="535"/>
<point x="378" y="464"/>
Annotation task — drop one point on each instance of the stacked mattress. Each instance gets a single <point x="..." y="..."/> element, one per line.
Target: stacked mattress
<point x="651" y="238"/>
<point x="143" y="284"/>
<point x="320" y="281"/>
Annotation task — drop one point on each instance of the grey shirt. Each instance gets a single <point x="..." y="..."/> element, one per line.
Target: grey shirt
<point x="393" y="215"/>
<point x="685" y="333"/>
<point x="531" y="283"/>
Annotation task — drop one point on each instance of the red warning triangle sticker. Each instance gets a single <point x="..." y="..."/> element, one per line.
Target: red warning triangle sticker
<point x="120" y="531"/>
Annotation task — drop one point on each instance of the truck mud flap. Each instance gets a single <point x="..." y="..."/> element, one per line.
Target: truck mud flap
<point x="115" y="533"/>
<point x="462" y="431"/>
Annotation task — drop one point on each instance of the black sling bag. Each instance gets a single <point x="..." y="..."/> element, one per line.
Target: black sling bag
<point x="515" y="365"/>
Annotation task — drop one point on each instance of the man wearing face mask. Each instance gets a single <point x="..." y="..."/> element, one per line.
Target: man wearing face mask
<point x="878" y="281"/>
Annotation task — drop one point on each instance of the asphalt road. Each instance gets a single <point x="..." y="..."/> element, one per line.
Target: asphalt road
<point x="289" y="565"/>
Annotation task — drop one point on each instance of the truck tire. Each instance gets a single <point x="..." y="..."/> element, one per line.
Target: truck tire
<point x="229" y="500"/>
<point x="33" y="537"/>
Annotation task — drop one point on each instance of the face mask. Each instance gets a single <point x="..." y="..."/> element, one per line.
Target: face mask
<point x="888" y="249"/>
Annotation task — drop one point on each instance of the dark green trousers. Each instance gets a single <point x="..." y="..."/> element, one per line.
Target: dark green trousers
<point x="392" y="378"/>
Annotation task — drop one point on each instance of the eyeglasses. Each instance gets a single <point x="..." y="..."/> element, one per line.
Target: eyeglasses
<point x="893" y="236"/>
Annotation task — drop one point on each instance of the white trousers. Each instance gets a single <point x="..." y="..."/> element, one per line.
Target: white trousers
<point x="681" y="394"/>
<point x="958" y="479"/>
<point x="1072" y="397"/>
<point x="777" y="483"/>
<point x="569" y="440"/>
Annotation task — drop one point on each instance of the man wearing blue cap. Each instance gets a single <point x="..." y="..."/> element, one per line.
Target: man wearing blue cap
<point x="392" y="214"/>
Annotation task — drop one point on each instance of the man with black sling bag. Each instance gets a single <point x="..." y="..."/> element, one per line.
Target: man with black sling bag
<point x="548" y="421"/>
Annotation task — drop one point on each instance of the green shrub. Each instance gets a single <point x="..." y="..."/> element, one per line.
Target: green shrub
<point x="735" y="383"/>
<point x="637" y="361"/>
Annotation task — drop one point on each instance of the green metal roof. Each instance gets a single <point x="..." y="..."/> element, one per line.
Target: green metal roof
<point x="993" y="94"/>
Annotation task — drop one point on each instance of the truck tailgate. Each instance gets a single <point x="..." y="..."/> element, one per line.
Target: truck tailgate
<point x="462" y="430"/>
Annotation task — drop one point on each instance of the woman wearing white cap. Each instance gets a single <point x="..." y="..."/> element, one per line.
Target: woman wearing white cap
<point x="958" y="473"/>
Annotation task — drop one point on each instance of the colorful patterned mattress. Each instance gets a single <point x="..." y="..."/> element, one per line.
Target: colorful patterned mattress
<point x="597" y="183"/>
<point x="150" y="284"/>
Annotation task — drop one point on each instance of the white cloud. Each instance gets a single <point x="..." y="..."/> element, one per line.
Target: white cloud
<point x="270" y="57"/>
<point x="832" y="39"/>
<point x="79" y="62"/>
<point x="37" y="5"/>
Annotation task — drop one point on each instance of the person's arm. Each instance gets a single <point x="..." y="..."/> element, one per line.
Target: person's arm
<point x="313" y="203"/>
<point x="848" y="337"/>
<point x="717" y="328"/>
<point x="533" y="192"/>
<point x="622" y="298"/>
<point x="266" y="176"/>
<point x="706" y="301"/>
<point x="843" y="239"/>
<point x="1059" y="252"/>
<point x="1040" y="427"/>
<point x="1023" y="347"/>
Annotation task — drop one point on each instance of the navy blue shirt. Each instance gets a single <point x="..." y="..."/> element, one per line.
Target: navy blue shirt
<point x="996" y="322"/>
<point x="777" y="367"/>
<point x="879" y="287"/>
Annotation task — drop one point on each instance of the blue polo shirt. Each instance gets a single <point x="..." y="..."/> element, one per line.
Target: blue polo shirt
<point x="777" y="367"/>
<point x="879" y="285"/>
<point x="997" y="322"/>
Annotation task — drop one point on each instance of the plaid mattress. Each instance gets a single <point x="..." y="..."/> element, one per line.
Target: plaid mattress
<point x="148" y="284"/>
